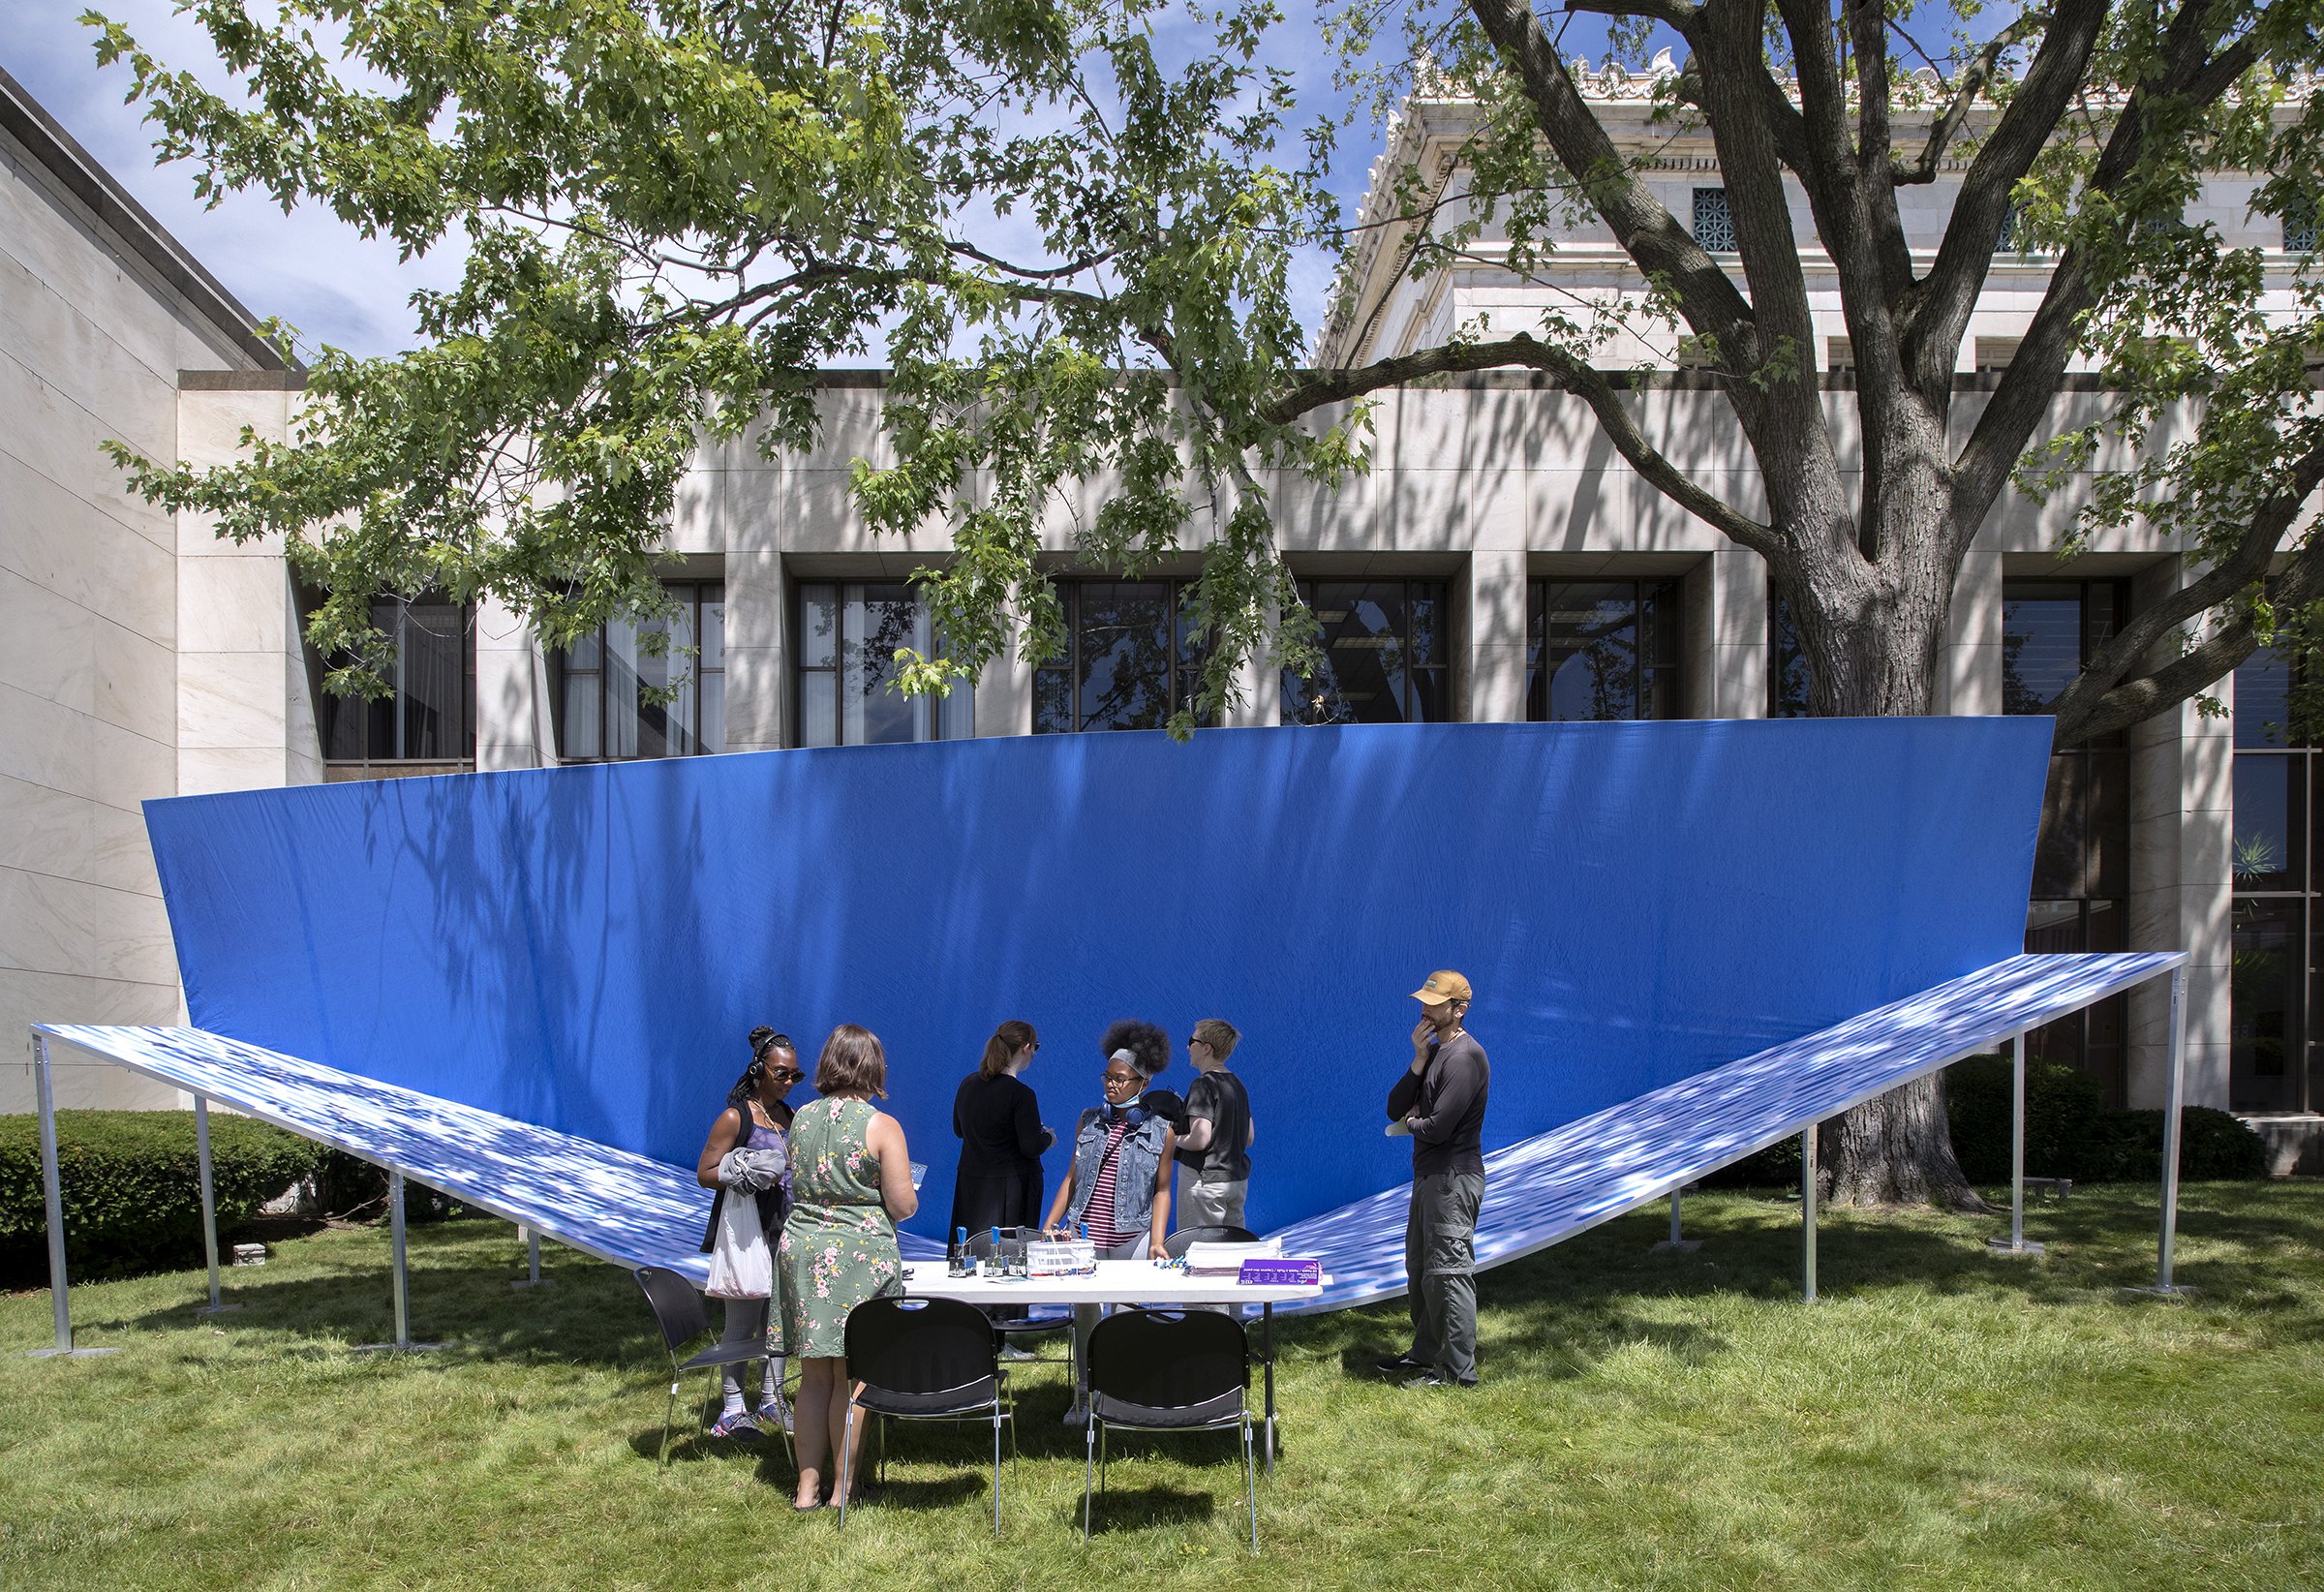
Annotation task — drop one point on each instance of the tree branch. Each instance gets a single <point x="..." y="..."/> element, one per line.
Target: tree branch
<point x="2271" y="519"/>
<point x="2212" y="660"/>
<point x="1319" y="388"/>
<point x="1675" y="14"/>
<point x="1971" y="85"/>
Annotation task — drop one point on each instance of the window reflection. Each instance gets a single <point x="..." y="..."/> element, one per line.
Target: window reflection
<point x="429" y="714"/>
<point x="2272" y="1062"/>
<point x="1129" y="661"/>
<point x="1787" y="681"/>
<point x="846" y="640"/>
<point x="1601" y="650"/>
<point x="611" y="686"/>
<point x="1385" y="654"/>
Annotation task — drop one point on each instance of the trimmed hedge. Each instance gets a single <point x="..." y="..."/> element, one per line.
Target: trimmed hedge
<point x="131" y="1188"/>
<point x="2069" y="1134"/>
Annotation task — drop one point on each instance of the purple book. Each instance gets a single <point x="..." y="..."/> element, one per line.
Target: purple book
<point x="1281" y="1272"/>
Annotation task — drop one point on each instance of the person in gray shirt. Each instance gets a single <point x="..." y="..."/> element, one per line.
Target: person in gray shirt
<point x="1440" y="1101"/>
<point x="1214" y="1151"/>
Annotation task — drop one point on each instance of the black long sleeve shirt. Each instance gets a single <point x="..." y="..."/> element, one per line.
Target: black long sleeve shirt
<point x="1445" y="1101"/>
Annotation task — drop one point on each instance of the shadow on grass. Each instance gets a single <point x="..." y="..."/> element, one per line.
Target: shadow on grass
<point x="1135" y="1508"/>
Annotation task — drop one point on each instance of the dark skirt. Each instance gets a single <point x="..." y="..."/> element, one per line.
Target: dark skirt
<point x="982" y="1200"/>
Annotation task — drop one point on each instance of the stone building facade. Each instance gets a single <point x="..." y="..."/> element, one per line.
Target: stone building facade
<point x="1497" y="563"/>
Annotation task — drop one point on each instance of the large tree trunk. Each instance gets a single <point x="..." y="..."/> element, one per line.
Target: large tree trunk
<point x="1872" y="640"/>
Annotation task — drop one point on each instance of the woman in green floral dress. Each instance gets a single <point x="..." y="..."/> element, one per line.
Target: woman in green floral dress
<point x="851" y="1182"/>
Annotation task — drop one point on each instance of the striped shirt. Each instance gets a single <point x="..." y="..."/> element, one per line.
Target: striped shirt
<point x="1098" y="1215"/>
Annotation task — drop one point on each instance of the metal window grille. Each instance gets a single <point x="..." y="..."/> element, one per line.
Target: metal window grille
<point x="1714" y="222"/>
<point x="2300" y="227"/>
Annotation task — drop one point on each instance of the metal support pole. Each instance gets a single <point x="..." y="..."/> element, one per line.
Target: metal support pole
<point x="209" y="1204"/>
<point x="2165" y="1287"/>
<point x="400" y="1272"/>
<point x="52" y="1194"/>
<point x="2015" y="1244"/>
<point x="1807" y="1210"/>
<point x="532" y="1278"/>
<point x="1675" y="1241"/>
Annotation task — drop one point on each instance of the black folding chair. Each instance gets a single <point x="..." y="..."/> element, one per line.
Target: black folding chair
<point x="682" y="1316"/>
<point x="1185" y="1238"/>
<point x="1168" y="1371"/>
<point x="924" y="1360"/>
<point x="1015" y="1324"/>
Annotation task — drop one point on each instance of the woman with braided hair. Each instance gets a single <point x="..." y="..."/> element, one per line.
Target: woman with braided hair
<point x="747" y="1160"/>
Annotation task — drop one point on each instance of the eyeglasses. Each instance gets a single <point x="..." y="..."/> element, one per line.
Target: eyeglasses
<point x="786" y="1075"/>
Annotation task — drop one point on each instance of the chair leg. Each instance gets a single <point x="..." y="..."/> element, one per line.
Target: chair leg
<point x="997" y="1467"/>
<point x="670" y="1414"/>
<point x="1088" y="1473"/>
<point x="1250" y="1480"/>
<point x="847" y="1449"/>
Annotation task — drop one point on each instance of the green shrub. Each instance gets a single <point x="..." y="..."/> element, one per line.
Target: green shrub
<point x="132" y="1187"/>
<point x="352" y="1187"/>
<point x="2213" y="1147"/>
<point x="2062" y="1110"/>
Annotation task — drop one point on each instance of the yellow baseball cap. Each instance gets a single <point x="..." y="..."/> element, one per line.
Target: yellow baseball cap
<point x="1442" y="985"/>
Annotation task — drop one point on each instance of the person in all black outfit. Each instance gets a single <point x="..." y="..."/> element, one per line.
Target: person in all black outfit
<point x="1440" y="1101"/>
<point x="998" y="1119"/>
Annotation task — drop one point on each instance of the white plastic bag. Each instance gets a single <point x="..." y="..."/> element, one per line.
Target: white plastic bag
<point x="741" y="1263"/>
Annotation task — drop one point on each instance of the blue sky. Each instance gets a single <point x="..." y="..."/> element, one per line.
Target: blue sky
<point x="319" y="274"/>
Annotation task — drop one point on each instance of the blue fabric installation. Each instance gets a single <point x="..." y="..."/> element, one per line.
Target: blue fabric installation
<point x="583" y="949"/>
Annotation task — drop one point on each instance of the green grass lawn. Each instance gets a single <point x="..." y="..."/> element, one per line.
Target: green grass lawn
<point x="1943" y="1417"/>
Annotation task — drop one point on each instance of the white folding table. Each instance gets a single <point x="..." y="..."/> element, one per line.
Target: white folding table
<point x="1122" y="1282"/>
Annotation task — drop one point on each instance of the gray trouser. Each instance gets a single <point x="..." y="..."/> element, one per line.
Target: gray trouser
<point x="1210" y="1202"/>
<point x="745" y="1320"/>
<point x="1440" y="1271"/>
<point x="1086" y="1317"/>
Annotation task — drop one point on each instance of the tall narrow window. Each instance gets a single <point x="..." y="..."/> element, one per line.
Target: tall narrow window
<point x="616" y="699"/>
<point x="2275" y="1063"/>
<point x="1386" y="654"/>
<point x="2080" y="900"/>
<point x="2013" y="240"/>
<point x="847" y="637"/>
<point x="1714" y="222"/>
<point x="429" y="716"/>
<point x="1601" y="649"/>
<point x="1129" y="661"/>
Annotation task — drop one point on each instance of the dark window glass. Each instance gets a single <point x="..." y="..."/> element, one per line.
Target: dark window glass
<point x="2300" y="226"/>
<point x="1386" y="654"/>
<point x="2080" y="900"/>
<point x="846" y="640"/>
<point x="1601" y="649"/>
<point x="430" y="714"/>
<point x="1129" y="661"/>
<point x="1787" y="664"/>
<point x="2273" y="1051"/>
<point x="611" y="687"/>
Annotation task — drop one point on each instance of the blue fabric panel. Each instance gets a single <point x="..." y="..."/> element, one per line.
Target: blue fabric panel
<point x="585" y="948"/>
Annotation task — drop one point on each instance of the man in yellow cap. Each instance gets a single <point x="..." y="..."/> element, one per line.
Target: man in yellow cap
<point x="1440" y="1101"/>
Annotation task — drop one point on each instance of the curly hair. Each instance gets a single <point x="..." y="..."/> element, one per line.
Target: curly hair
<point x="764" y="1042"/>
<point x="1147" y="1044"/>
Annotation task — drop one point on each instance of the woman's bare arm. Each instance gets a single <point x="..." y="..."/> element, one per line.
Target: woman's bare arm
<point x="1170" y="1146"/>
<point x="885" y="1140"/>
<point x="724" y="1134"/>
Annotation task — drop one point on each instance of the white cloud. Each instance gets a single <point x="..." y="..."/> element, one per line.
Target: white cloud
<point x="309" y="268"/>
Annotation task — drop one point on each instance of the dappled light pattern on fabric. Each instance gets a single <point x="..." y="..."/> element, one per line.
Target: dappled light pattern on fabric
<point x="1548" y="1188"/>
<point x="605" y="1202"/>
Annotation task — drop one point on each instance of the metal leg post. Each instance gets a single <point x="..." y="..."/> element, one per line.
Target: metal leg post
<point x="1807" y="1210"/>
<point x="532" y="1278"/>
<point x="2165" y="1287"/>
<point x="53" y="1195"/>
<point x="209" y="1204"/>
<point x="1266" y="1343"/>
<point x="400" y="1272"/>
<point x="2015" y="1244"/>
<point x="1677" y="1241"/>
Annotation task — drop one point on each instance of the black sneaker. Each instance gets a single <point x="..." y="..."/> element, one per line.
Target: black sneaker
<point x="1394" y="1363"/>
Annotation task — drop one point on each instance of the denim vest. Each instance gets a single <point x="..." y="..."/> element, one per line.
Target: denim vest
<point x="1134" y="1167"/>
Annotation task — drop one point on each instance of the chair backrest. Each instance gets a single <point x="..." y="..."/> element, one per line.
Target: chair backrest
<point x="1168" y="1359"/>
<point x="678" y="1308"/>
<point x="1184" y="1237"/>
<point x="919" y="1345"/>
